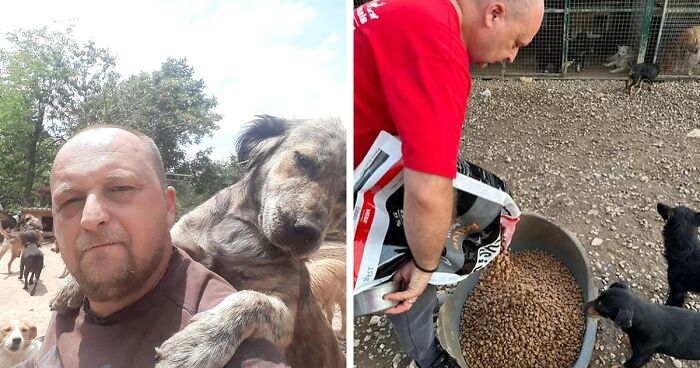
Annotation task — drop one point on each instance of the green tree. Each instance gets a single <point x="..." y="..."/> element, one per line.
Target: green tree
<point x="51" y="76"/>
<point x="169" y="105"/>
<point x="204" y="177"/>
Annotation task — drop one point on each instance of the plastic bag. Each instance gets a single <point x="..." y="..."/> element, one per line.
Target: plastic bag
<point x="485" y="213"/>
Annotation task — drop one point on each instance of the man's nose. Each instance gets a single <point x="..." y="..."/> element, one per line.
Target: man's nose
<point x="512" y="56"/>
<point x="94" y="213"/>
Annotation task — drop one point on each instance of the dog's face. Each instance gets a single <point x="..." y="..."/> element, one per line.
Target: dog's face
<point x="16" y="335"/>
<point x="680" y="214"/>
<point x="298" y="171"/>
<point x="622" y="52"/>
<point x="615" y="303"/>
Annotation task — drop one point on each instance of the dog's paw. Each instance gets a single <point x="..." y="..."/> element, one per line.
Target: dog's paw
<point x="69" y="296"/>
<point x="212" y="337"/>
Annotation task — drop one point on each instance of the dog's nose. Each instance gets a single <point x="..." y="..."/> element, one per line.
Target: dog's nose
<point x="16" y="340"/>
<point x="306" y="231"/>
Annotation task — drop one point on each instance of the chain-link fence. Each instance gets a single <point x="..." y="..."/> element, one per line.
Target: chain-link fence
<point x="603" y="38"/>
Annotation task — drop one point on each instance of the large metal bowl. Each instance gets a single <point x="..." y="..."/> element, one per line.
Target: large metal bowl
<point x="533" y="232"/>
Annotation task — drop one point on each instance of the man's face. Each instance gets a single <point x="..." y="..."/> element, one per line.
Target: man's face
<point x="111" y="215"/>
<point x="502" y="32"/>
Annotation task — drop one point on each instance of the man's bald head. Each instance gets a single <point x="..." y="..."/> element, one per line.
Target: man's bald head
<point x="96" y="135"/>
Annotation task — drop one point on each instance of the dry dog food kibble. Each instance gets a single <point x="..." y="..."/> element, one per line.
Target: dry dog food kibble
<point x="524" y="312"/>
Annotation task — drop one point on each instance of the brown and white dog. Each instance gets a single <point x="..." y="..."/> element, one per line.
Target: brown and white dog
<point x="18" y="342"/>
<point x="328" y="286"/>
<point x="15" y="242"/>
<point x="257" y="234"/>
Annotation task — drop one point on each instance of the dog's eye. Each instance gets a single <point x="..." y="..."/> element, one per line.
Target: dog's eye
<point x="24" y="329"/>
<point x="305" y="163"/>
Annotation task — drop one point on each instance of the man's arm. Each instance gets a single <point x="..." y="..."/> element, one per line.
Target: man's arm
<point x="428" y="202"/>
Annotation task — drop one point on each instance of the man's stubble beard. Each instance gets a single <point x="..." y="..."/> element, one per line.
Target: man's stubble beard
<point x="127" y="279"/>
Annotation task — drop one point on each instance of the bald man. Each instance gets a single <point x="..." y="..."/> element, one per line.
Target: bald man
<point x="412" y="79"/>
<point x="112" y="215"/>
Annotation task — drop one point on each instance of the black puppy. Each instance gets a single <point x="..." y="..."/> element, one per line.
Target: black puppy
<point x="32" y="261"/>
<point x="651" y="328"/>
<point x="580" y="48"/>
<point x="682" y="251"/>
<point x="642" y="72"/>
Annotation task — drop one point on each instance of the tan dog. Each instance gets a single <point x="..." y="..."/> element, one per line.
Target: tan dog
<point x="685" y="52"/>
<point x="328" y="286"/>
<point x="54" y="248"/>
<point x="18" y="344"/>
<point x="15" y="242"/>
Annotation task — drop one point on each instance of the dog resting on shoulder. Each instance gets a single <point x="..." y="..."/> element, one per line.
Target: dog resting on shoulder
<point x="651" y="328"/>
<point x="257" y="234"/>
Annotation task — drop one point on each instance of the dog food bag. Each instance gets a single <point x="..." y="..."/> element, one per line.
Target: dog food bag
<point x="485" y="213"/>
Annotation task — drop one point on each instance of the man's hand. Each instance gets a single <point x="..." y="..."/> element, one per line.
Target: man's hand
<point x="415" y="281"/>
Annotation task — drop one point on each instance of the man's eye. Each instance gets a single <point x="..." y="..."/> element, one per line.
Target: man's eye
<point x="67" y="202"/>
<point x="122" y="188"/>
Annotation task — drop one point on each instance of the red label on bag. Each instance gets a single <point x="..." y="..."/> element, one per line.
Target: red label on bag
<point x="367" y="215"/>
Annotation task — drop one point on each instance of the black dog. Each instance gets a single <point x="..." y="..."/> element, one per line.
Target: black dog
<point x="682" y="251"/>
<point x="643" y="72"/>
<point x="581" y="47"/>
<point x="32" y="261"/>
<point x="651" y="328"/>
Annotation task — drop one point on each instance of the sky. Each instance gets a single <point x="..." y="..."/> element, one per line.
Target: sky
<point x="278" y="57"/>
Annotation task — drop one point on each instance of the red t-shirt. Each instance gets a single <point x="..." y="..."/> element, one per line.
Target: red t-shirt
<point x="412" y="78"/>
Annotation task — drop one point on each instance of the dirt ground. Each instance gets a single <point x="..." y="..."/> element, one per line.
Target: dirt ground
<point x="18" y="304"/>
<point x="594" y="160"/>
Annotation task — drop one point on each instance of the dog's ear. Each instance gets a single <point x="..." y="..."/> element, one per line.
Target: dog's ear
<point x="697" y="218"/>
<point x="259" y="136"/>
<point x="624" y="318"/>
<point x="620" y="285"/>
<point x="663" y="210"/>
<point x="32" y="332"/>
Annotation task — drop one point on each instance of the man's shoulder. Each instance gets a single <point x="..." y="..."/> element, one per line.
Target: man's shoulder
<point x="404" y="13"/>
<point x="201" y="289"/>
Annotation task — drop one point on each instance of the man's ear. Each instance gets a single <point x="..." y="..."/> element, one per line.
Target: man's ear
<point x="494" y="12"/>
<point x="624" y="318"/>
<point x="170" y="202"/>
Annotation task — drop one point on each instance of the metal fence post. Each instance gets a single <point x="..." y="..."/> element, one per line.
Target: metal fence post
<point x="565" y="36"/>
<point x="646" y="27"/>
<point x="661" y="30"/>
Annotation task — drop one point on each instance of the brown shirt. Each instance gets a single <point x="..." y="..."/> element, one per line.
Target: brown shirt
<point x="128" y="337"/>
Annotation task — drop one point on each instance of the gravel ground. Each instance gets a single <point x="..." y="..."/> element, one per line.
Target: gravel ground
<point x="594" y="160"/>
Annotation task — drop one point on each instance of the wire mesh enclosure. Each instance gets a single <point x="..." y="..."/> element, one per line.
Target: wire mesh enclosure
<point x="602" y="38"/>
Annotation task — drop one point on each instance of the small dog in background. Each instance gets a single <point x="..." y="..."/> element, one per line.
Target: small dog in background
<point x="328" y="287"/>
<point x="682" y="251"/>
<point x="621" y="60"/>
<point x="651" y="328"/>
<point x="640" y="73"/>
<point x="54" y="248"/>
<point x="582" y="46"/>
<point x="32" y="261"/>
<point x="18" y="342"/>
<point x="15" y="243"/>
<point x="686" y="52"/>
